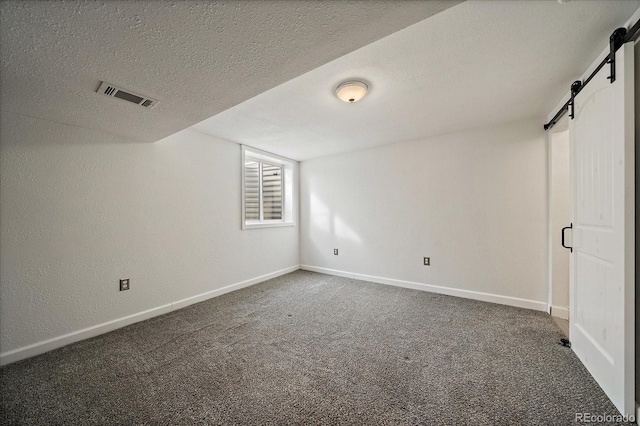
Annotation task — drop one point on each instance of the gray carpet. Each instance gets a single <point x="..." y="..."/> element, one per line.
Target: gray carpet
<point x="307" y="348"/>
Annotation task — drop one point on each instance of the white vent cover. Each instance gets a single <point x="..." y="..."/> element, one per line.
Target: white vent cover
<point x="117" y="92"/>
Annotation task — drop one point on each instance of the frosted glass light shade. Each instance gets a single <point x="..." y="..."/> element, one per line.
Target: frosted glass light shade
<point x="351" y="91"/>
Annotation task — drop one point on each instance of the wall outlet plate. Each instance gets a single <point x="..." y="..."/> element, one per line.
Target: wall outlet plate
<point x="427" y="261"/>
<point x="124" y="284"/>
<point x="335" y="251"/>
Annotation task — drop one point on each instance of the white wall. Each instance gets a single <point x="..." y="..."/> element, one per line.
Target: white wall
<point x="81" y="209"/>
<point x="637" y="129"/>
<point x="560" y="217"/>
<point x="475" y="202"/>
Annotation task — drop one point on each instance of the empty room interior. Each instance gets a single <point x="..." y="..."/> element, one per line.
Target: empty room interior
<point x="319" y="212"/>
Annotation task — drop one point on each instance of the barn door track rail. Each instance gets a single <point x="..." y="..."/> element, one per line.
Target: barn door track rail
<point x="619" y="37"/>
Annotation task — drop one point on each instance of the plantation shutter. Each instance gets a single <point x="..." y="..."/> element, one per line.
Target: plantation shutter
<point x="251" y="190"/>
<point x="263" y="185"/>
<point x="271" y="192"/>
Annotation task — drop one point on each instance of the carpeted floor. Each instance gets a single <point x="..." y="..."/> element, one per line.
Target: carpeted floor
<point x="307" y="348"/>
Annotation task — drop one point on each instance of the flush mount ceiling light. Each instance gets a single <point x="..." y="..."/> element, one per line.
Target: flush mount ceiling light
<point x="351" y="91"/>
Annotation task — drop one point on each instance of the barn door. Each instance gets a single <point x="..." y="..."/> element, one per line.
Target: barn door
<point x="602" y="261"/>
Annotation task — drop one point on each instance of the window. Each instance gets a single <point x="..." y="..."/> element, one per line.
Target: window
<point x="266" y="204"/>
<point x="267" y="189"/>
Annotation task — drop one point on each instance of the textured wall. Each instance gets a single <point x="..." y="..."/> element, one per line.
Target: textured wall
<point x="475" y="202"/>
<point x="81" y="209"/>
<point x="560" y="217"/>
<point x="637" y="106"/>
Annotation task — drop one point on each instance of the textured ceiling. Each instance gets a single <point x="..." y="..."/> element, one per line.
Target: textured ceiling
<point x="476" y="64"/>
<point x="197" y="58"/>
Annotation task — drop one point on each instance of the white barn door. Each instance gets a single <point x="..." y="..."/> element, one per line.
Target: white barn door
<point x="602" y="262"/>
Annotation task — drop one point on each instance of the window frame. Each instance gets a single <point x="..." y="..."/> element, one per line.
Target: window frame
<point x="289" y="188"/>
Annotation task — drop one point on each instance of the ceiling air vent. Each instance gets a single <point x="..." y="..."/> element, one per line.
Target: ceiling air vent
<point x="117" y="92"/>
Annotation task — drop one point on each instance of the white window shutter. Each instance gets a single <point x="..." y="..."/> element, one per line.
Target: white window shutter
<point x="271" y="192"/>
<point x="252" y="190"/>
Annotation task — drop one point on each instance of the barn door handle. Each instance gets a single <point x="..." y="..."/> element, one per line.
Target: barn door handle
<point x="563" y="245"/>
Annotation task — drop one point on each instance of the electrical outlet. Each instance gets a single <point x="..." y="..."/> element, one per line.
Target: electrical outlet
<point x="124" y="284"/>
<point x="335" y="251"/>
<point x="427" y="261"/>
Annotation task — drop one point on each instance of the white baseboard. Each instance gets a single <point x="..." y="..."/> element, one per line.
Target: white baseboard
<point x="560" y="312"/>
<point x="467" y="294"/>
<point x="328" y="271"/>
<point x="75" y="336"/>
<point x="86" y="333"/>
<point x="233" y="287"/>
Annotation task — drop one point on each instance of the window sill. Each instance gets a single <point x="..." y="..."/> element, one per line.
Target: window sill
<point x="256" y="225"/>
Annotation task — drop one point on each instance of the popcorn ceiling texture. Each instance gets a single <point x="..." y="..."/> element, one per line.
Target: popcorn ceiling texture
<point x="197" y="58"/>
<point x="478" y="64"/>
<point x="313" y="349"/>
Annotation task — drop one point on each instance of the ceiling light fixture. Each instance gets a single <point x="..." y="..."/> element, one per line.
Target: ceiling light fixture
<point x="351" y="91"/>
